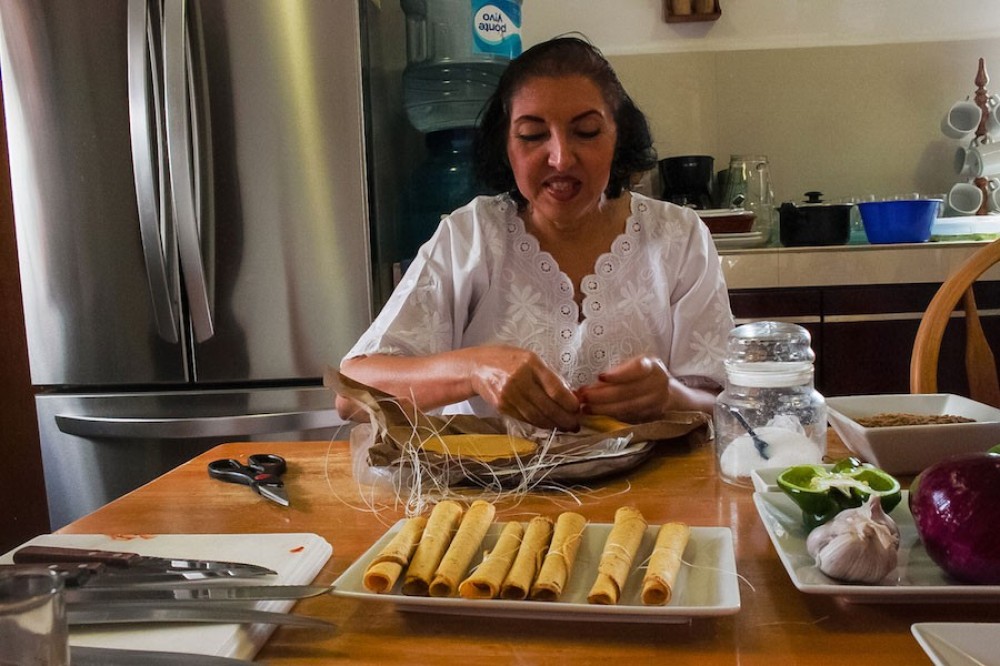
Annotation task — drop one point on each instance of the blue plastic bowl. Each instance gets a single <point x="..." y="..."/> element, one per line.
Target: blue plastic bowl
<point x="903" y="221"/>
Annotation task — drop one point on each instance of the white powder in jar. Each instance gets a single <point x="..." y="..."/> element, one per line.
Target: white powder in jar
<point x="784" y="449"/>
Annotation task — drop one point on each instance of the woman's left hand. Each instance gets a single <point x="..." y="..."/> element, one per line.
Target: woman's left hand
<point x="638" y="390"/>
<point x="641" y="389"/>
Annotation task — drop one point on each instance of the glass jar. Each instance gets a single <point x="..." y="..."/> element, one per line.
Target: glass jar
<point x="769" y="391"/>
<point x="748" y="186"/>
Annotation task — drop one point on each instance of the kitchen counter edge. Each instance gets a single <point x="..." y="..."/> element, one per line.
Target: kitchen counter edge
<point x="905" y="263"/>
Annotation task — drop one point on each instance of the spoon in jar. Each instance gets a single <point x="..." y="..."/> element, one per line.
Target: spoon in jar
<point x="760" y="444"/>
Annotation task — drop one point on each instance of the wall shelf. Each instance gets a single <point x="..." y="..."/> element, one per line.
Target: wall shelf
<point x="686" y="11"/>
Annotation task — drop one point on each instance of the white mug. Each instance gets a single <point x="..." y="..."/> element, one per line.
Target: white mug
<point x="966" y="162"/>
<point x="993" y="123"/>
<point x="988" y="156"/>
<point x="993" y="196"/>
<point x="965" y="198"/>
<point x="962" y="119"/>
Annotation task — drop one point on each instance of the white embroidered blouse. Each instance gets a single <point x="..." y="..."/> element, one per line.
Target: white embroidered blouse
<point x="482" y="279"/>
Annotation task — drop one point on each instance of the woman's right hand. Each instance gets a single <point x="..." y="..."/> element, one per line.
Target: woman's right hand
<point x="519" y="384"/>
<point x="516" y="382"/>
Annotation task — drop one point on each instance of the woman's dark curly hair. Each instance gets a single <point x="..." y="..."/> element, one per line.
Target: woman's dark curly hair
<point x="562" y="56"/>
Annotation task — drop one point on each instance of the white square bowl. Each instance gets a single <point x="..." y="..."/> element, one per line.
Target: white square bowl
<point x="910" y="449"/>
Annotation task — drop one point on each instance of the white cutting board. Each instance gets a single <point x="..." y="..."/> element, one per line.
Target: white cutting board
<point x="297" y="559"/>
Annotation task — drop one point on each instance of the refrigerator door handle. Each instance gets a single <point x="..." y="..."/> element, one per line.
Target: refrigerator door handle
<point x="144" y="157"/>
<point x="191" y="428"/>
<point x="176" y="63"/>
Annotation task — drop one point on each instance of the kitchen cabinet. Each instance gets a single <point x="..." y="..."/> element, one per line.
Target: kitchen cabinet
<point x="863" y="334"/>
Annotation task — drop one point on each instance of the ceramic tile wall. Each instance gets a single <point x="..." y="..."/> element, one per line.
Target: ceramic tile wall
<point x="873" y="264"/>
<point x="846" y="120"/>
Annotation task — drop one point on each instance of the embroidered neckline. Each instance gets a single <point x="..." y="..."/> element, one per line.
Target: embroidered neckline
<point x="595" y="285"/>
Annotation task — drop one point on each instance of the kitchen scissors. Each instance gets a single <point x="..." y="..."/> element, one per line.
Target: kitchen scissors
<point x="262" y="473"/>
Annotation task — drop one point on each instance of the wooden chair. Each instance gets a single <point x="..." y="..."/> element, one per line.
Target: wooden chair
<point x="980" y="366"/>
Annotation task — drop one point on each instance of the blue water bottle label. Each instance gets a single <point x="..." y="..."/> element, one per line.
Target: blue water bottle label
<point x="496" y="27"/>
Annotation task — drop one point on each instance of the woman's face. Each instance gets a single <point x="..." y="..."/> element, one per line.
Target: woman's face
<point x="561" y="145"/>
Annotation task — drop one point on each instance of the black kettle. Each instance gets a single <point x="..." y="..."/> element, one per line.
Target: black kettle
<point x="814" y="222"/>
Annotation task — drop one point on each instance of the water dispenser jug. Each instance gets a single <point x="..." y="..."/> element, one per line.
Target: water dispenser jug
<point x="444" y="181"/>
<point x="455" y="53"/>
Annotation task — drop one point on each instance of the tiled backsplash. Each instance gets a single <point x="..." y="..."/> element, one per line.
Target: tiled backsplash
<point x="846" y="265"/>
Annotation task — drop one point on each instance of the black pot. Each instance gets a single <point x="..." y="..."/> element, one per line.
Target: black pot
<point x="814" y="222"/>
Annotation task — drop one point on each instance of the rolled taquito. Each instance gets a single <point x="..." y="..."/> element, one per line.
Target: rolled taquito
<point x="664" y="564"/>
<point x="558" y="564"/>
<point x="616" y="558"/>
<point x="530" y="554"/>
<point x="383" y="571"/>
<point x="485" y="581"/>
<point x="463" y="548"/>
<point x="437" y="536"/>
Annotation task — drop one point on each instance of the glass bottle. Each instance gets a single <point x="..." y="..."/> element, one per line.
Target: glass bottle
<point x="769" y="390"/>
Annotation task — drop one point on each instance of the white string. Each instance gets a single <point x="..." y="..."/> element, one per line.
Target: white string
<point x="740" y="577"/>
<point x="416" y="480"/>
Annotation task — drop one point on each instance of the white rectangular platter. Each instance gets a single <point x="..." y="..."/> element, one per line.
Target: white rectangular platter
<point x="959" y="643"/>
<point x="917" y="577"/>
<point x="706" y="585"/>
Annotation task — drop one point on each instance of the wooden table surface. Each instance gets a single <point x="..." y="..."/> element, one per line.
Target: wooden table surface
<point x="776" y="624"/>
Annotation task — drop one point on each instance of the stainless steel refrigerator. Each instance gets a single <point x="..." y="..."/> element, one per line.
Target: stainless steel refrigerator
<point x="192" y="218"/>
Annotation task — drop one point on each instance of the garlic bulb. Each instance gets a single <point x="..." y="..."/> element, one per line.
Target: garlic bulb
<point x="859" y="545"/>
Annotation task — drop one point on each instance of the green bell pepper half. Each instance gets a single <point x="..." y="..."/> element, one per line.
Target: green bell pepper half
<point x="823" y="493"/>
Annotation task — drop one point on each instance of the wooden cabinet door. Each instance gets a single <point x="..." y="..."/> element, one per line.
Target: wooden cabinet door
<point x="795" y="306"/>
<point x="863" y="335"/>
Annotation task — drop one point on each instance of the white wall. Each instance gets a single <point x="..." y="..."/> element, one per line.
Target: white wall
<point x="636" y="26"/>
<point x="843" y="96"/>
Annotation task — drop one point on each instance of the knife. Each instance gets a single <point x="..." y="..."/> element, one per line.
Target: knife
<point x="205" y="593"/>
<point x="133" y="562"/>
<point x="97" y="575"/>
<point x="129" y="613"/>
<point x="97" y="656"/>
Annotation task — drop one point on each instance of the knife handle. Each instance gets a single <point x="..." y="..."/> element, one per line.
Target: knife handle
<point x="50" y="554"/>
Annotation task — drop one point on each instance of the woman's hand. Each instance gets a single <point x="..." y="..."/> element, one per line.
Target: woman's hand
<point x="518" y="383"/>
<point x="640" y="390"/>
<point x="515" y="381"/>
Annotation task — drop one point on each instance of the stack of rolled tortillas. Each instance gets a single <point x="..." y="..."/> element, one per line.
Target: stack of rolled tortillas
<point x="433" y="555"/>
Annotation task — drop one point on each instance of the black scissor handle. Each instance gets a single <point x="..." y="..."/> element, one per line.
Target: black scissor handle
<point x="233" y="471"/>
<point x="268" y="463"/>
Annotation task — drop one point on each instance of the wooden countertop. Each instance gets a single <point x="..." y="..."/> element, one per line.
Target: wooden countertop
<point x="776" y="624"/>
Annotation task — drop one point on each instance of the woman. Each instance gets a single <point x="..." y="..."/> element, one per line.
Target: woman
<point x="568" y="295"/>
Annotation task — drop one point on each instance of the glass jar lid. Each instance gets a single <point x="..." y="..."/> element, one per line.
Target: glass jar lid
<point x="773" y="348"/>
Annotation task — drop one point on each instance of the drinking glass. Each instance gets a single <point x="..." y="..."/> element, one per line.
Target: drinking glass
<point x="33" y="626"/>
